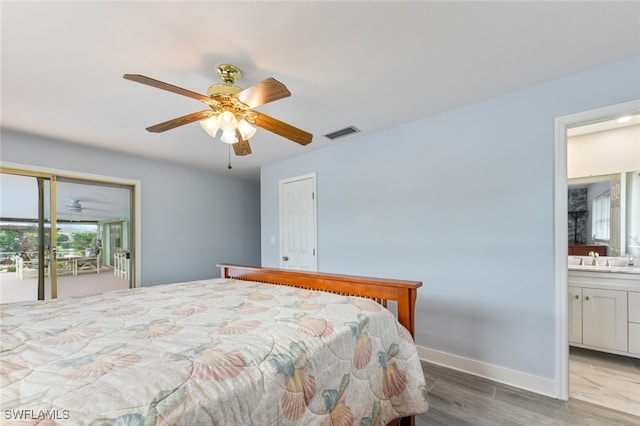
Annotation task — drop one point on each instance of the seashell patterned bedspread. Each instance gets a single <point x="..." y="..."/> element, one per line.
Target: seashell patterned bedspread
<point x="211" y="352"/>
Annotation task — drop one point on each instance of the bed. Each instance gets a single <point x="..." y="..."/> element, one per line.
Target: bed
<point x="257" y="346"/>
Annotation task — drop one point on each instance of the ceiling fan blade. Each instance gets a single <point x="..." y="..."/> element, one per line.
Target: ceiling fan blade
<point x="180" y="121"/>
<point x="242" y="147"/>
<point x="283" y="129"/>
<point x="168" y="87"/>
<point x="268" y="90"/>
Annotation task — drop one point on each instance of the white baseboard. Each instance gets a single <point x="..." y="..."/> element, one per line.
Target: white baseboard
<point x="529" y="382"/>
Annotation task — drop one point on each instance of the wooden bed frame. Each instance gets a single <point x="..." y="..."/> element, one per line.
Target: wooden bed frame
<point x="381" y="290"/>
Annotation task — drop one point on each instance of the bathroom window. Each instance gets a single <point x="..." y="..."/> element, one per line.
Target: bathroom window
<point x="601" y="217"/>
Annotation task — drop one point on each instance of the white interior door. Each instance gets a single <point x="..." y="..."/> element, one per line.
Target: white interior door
<point x="298" y="223"/>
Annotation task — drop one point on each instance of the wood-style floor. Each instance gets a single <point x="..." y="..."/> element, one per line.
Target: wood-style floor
<point x="457" y="398"/>
<point x="605" y="379"/>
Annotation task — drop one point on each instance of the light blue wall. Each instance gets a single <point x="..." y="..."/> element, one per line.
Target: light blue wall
<point x="191" y="219"/>
<point x="462" y="201"/>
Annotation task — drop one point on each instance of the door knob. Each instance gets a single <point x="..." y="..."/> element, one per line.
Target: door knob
<point x="285" y="258"/>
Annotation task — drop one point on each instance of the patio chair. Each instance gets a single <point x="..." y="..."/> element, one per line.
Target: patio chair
<point x="27" y="267"/>
<point x="89" y="263"/>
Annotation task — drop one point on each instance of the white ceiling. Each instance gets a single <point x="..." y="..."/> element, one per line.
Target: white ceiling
<point x="372" y="65"/>
<point x="603" y="126"/>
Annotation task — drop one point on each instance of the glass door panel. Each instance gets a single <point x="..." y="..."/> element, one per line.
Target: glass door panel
<point x="23" y="239"/>
<point x="92" y="219"/>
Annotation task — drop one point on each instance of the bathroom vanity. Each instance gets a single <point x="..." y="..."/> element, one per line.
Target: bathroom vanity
<point x="604" y="306"/>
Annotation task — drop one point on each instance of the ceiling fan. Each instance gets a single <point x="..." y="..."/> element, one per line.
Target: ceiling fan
<point x="231" y="109"/>
<point x="74" y="206"/>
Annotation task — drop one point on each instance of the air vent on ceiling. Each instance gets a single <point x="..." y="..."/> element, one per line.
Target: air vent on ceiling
<point x="342" y="132"/>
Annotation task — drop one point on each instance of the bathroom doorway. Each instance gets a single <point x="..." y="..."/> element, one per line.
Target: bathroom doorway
<point x="574" y="363"/>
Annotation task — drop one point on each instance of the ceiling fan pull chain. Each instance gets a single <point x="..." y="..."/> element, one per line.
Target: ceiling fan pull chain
<point x="229" y="165"/>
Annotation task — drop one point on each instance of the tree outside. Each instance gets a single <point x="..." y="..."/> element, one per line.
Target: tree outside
<point x="8" y="241"/>
<point x="83" y="240"/>
<point x="12" y="242"/>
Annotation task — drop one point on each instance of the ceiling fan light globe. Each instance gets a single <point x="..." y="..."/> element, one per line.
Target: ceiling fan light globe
<point x="227" y="121"/>
<point x="246" y="130"/>
<point x="229" y="136"/>
<point x="210" y="125"/>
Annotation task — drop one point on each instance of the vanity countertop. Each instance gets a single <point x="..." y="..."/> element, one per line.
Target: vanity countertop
<point x="606" y="278"/>
<point x="606" y="269"/>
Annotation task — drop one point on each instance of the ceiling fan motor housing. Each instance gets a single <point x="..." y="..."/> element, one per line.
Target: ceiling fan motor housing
<point x="223" y="94"/>
<point x="223" y="89"/>
<point x="74" y="206"/>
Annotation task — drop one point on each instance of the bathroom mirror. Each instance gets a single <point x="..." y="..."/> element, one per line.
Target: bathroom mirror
<point x="624" y="207"/>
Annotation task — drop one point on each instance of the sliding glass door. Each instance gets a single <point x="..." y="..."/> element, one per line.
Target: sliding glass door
<point x="63" y="236"/>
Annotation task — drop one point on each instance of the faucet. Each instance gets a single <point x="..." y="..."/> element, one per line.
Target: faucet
<point x="594" y="255"/>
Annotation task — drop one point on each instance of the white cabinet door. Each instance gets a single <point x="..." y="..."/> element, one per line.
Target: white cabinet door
<point x="575" y="315"/>
<point x="634" y="338"/>
<point x="604" y="318"/>
<point x="634" y="307"/>
<point x="634" y="322"/>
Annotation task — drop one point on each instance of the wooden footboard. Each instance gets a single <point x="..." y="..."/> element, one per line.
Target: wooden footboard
<point x="381" y="290"/>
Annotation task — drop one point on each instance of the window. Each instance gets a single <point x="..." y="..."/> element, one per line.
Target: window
<point x="601" y="217"/>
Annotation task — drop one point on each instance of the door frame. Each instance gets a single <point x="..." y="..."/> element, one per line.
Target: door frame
<point x="136" y="232"/>
<point x="283" y="182"/>
<point x="560" y="229"/>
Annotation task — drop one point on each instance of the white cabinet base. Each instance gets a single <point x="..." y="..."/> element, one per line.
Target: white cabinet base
<point x="604" y="312"/>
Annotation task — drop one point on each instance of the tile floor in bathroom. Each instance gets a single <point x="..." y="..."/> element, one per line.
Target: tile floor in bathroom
<point x="605" y="379"/>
